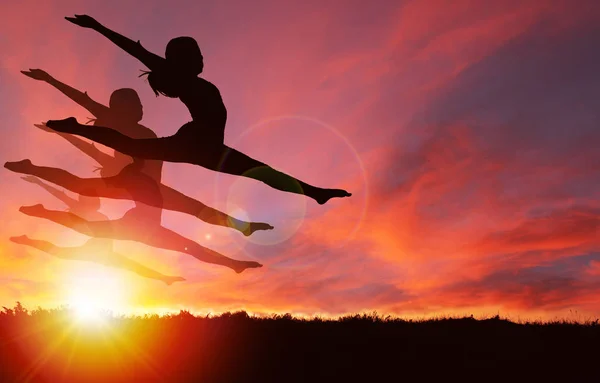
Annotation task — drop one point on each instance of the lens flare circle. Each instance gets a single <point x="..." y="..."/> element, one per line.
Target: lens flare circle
<point x="296" y="214"/>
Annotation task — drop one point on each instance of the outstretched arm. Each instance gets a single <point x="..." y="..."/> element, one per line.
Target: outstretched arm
<point x="149" y="59"/>
<point x="70" y="202"/>
<point x="79" y="97"/>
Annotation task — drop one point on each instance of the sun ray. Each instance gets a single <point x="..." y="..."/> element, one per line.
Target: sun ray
<point x="45" y="354"/>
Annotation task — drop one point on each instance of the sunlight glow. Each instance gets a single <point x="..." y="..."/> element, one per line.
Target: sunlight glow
<point x="93" y="291"/>
<point x="87" y="313"/>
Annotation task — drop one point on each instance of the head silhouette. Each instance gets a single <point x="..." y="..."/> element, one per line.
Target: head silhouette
<point x="126" y="104"/>
<point x="183" y="54"/>
<point x="184" y="61"/>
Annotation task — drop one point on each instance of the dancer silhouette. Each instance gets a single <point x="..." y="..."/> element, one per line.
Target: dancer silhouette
<point x="168" y="198"/>
<point x="131" y="228"/>
<point x="199" y="142"/>
<point x="124" y="113"/>
<point x="134" y="226"/>
<point x="95" y="250"/>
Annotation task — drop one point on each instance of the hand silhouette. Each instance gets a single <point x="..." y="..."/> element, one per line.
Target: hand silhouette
<point x="37" y="74"/>
<point x="84" y="21"/>
<point x="31" y="179"/>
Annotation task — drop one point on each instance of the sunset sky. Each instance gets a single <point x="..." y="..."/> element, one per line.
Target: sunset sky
<point x="467" y="131"/>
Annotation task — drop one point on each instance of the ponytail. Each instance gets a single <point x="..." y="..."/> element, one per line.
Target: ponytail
<point x="161" y="83"/>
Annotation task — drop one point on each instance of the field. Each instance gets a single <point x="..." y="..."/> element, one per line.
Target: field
<point x="50" y="346"/>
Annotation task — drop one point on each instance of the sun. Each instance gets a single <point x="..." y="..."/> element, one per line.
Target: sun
<point x="93" y="292"/>
<point x="87" y="313"/>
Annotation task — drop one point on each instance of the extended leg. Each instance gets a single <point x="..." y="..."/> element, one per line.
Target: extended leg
<point x="112" y="260"/>
<point x="145" y="148"/>
<point x="77" y="253"/>
<point x="99" y="229"/>
<point x="237" y="163"/>
<point x="175" y="149"/>
<point x="174" y="200"/>
<point x="119" y="229"/>
<point x="121" y="262"/>
<point x="167" y="239"/>
<point x="94" y="187"/>
<point x="45" y="246"/>
<point x="113" y="187"/>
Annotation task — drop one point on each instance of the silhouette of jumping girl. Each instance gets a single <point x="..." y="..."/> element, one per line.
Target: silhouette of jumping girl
<point x="95" y="250"/>
<point x="134" y="226"/>
<point x="129" y="228"/>
<point x="120" y="179"/>
<point x="200" y="141"/>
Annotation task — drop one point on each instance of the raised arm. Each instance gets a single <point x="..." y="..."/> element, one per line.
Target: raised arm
<point x="61" y="195"/>
<point x="79" y="97"/>
<point x="149" y="59"/>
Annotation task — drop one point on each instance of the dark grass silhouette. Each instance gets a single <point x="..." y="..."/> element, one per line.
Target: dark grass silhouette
<point x="44" y="346"/>
<point x="200" y="141"/>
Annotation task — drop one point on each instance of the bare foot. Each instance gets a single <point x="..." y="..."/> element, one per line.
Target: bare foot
<point x="22" y="239"/>
<point x="255" y="226"/>
<point x="23" y="166"/>
<point x="34" y="210"/>
<point x="67" y="125"/>
<point x="243" y="265"/>
<point x="170" y="280"/>
<point x="327" y="194"/>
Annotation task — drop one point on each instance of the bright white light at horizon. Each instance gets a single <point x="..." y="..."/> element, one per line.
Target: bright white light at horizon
<point x="92" y="291"/>
<point x="87" y="313"/>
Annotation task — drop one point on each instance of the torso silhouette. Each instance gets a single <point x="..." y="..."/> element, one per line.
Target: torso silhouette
<point x="95" y="249"/>
<point x="151" y="169"/>
<point x="205" y="104"/>
<point x="87" y="213"/>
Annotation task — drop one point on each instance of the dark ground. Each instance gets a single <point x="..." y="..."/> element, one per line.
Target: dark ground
<point x="45" y="346"/>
